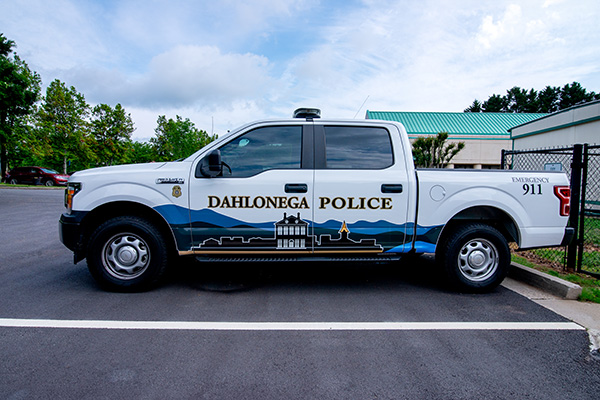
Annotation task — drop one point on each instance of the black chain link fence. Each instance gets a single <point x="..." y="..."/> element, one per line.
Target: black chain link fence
<point x="589" y="251"/>
<point x="586" y="160"/>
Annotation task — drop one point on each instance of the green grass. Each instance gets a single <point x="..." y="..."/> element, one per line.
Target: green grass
<point x="590" y="287"/>
<point x="591" y="259"/>
<point x="590" y="294"/>
<point x="592" y="230"/>
<point x="8" y="185"/>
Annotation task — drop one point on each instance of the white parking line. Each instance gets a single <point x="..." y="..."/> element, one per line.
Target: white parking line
<point x="286" y="326"/>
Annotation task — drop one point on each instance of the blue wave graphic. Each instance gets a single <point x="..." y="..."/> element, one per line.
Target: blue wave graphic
<point x="177" y="215"/>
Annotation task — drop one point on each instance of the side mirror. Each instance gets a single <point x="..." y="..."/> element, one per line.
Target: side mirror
<point x="211" y="166"/>
<point x="214" y="162"/>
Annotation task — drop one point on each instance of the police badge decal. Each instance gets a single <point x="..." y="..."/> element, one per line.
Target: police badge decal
<point x="176" y="191"/>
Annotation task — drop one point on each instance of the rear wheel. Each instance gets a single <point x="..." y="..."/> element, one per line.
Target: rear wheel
<point x="475" y="257"/>
<point x="13" y="181"/>
<point x="127" y="254"/>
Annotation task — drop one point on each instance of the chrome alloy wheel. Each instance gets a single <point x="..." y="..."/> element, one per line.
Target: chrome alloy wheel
<point x="478" y="259"/>
<point x="125" y="256"/>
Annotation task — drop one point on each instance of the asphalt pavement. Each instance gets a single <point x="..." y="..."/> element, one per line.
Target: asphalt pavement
<point x="271" y="331"/>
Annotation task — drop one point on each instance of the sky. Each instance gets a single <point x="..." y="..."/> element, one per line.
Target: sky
<point x="224" y="63"/>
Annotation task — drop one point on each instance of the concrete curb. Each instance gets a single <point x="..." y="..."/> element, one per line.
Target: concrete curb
<point x="555" y="286"/>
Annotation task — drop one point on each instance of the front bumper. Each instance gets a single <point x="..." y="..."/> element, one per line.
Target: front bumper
<point x="70" y="231"/>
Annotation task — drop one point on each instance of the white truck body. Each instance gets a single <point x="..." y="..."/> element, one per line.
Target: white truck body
<point x="303" y="188"/>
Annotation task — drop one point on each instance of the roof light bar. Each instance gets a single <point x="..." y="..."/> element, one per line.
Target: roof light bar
<point x="307" y="113"/>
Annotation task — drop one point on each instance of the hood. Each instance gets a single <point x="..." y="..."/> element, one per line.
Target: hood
<point x="120" y="169"/>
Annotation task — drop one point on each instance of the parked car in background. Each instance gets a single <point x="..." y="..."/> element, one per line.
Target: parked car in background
<point x="36" y="176"/>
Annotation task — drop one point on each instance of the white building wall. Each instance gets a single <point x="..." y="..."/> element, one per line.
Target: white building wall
<point x="578" y="125"/>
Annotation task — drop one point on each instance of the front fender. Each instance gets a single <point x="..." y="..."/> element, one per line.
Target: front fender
<point x="129" y="192"/>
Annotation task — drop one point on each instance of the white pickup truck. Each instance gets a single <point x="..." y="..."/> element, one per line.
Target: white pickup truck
<point x="306" y="189"/>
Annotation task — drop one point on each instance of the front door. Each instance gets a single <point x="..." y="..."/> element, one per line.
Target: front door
<point x="261" y="203"/>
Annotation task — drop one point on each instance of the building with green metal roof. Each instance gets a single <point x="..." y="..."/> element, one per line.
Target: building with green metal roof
<point x="484" y="134"/>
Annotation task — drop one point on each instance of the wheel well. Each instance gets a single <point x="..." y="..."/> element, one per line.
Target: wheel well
<point x="107" y="211"/>
<point x="487" y="215"/>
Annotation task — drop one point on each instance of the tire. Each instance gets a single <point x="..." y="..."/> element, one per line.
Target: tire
<point x="49" y="182"/>
<point x="475" y="258"/>
<point x="127" y="254"/>
<point x="13" y="181"/>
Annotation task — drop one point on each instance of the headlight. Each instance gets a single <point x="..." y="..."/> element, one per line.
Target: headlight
<point x="72" y="189"/>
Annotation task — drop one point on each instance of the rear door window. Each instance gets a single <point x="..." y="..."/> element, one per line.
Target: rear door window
<point x="352" y="147"/>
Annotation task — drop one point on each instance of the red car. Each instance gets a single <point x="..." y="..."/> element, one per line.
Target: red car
<point x="36" y="176"/>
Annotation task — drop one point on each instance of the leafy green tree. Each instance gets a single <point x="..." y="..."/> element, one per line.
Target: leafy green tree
<point x="111" y="129"/>
<point x="140" y="152"/>
<point x="549" y="100"/>
<point x="434" y="151"/>
<point x="495" y="103"/>
<point x="19" y="90"/>
<point x="475" y="107"/>
<point x="63" y="118"/>
<point x="31" y="145"/>
<point x="521" y="101"/>
<point x="176" y="139"/>
<point x="573" y="94"/>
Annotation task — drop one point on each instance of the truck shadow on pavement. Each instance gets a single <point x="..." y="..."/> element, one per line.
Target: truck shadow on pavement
<point x="419" y="272"/>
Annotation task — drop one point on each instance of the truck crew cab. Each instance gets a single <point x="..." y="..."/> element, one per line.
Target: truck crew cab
<point x="306" y="189"/>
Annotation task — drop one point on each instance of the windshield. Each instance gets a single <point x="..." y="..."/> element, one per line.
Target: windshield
<point x="49" y="171"/>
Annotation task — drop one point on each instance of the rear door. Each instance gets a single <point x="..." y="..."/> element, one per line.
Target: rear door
<point x="361" y="189"/>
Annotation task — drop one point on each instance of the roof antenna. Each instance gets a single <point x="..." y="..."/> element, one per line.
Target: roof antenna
<point x="361" y="106"/>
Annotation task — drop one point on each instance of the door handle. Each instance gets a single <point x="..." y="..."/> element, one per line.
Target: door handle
<point x="296" y="188"/>
<point x="391" y="188"/>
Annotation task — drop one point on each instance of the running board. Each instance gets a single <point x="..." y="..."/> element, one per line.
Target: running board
<point x="385" y="258"/>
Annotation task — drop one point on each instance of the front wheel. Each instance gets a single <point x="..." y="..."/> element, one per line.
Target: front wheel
<point x="127" y="254"/>
<point x="49" y="182"/>
<point x="475" y="257"/>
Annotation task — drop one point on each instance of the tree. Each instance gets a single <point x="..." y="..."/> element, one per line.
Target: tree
<point x="521" y="101"/>
<point x="176" y="139"/>
<point x="574" y="94"/>
<point x="434" y="151"/>
<point x="111" y="129"/>
<point x="63" y="118"/>
<point x="31" y="145"/>
<point x="495" y="103"/>
<point x="475" y="107"/>
<point x="140" y="152"/>
<point x="19" y="90"/>
<point x="549" y="100"/>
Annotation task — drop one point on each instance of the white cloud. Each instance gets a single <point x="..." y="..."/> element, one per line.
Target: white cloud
<point x="506" y="29"/>
<point x="232" y="62"/>
<point x="53" y="35"/>
<point x="183" y="76"/>
<point x="202" y="74"/>
<point x="217" y="121"/>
